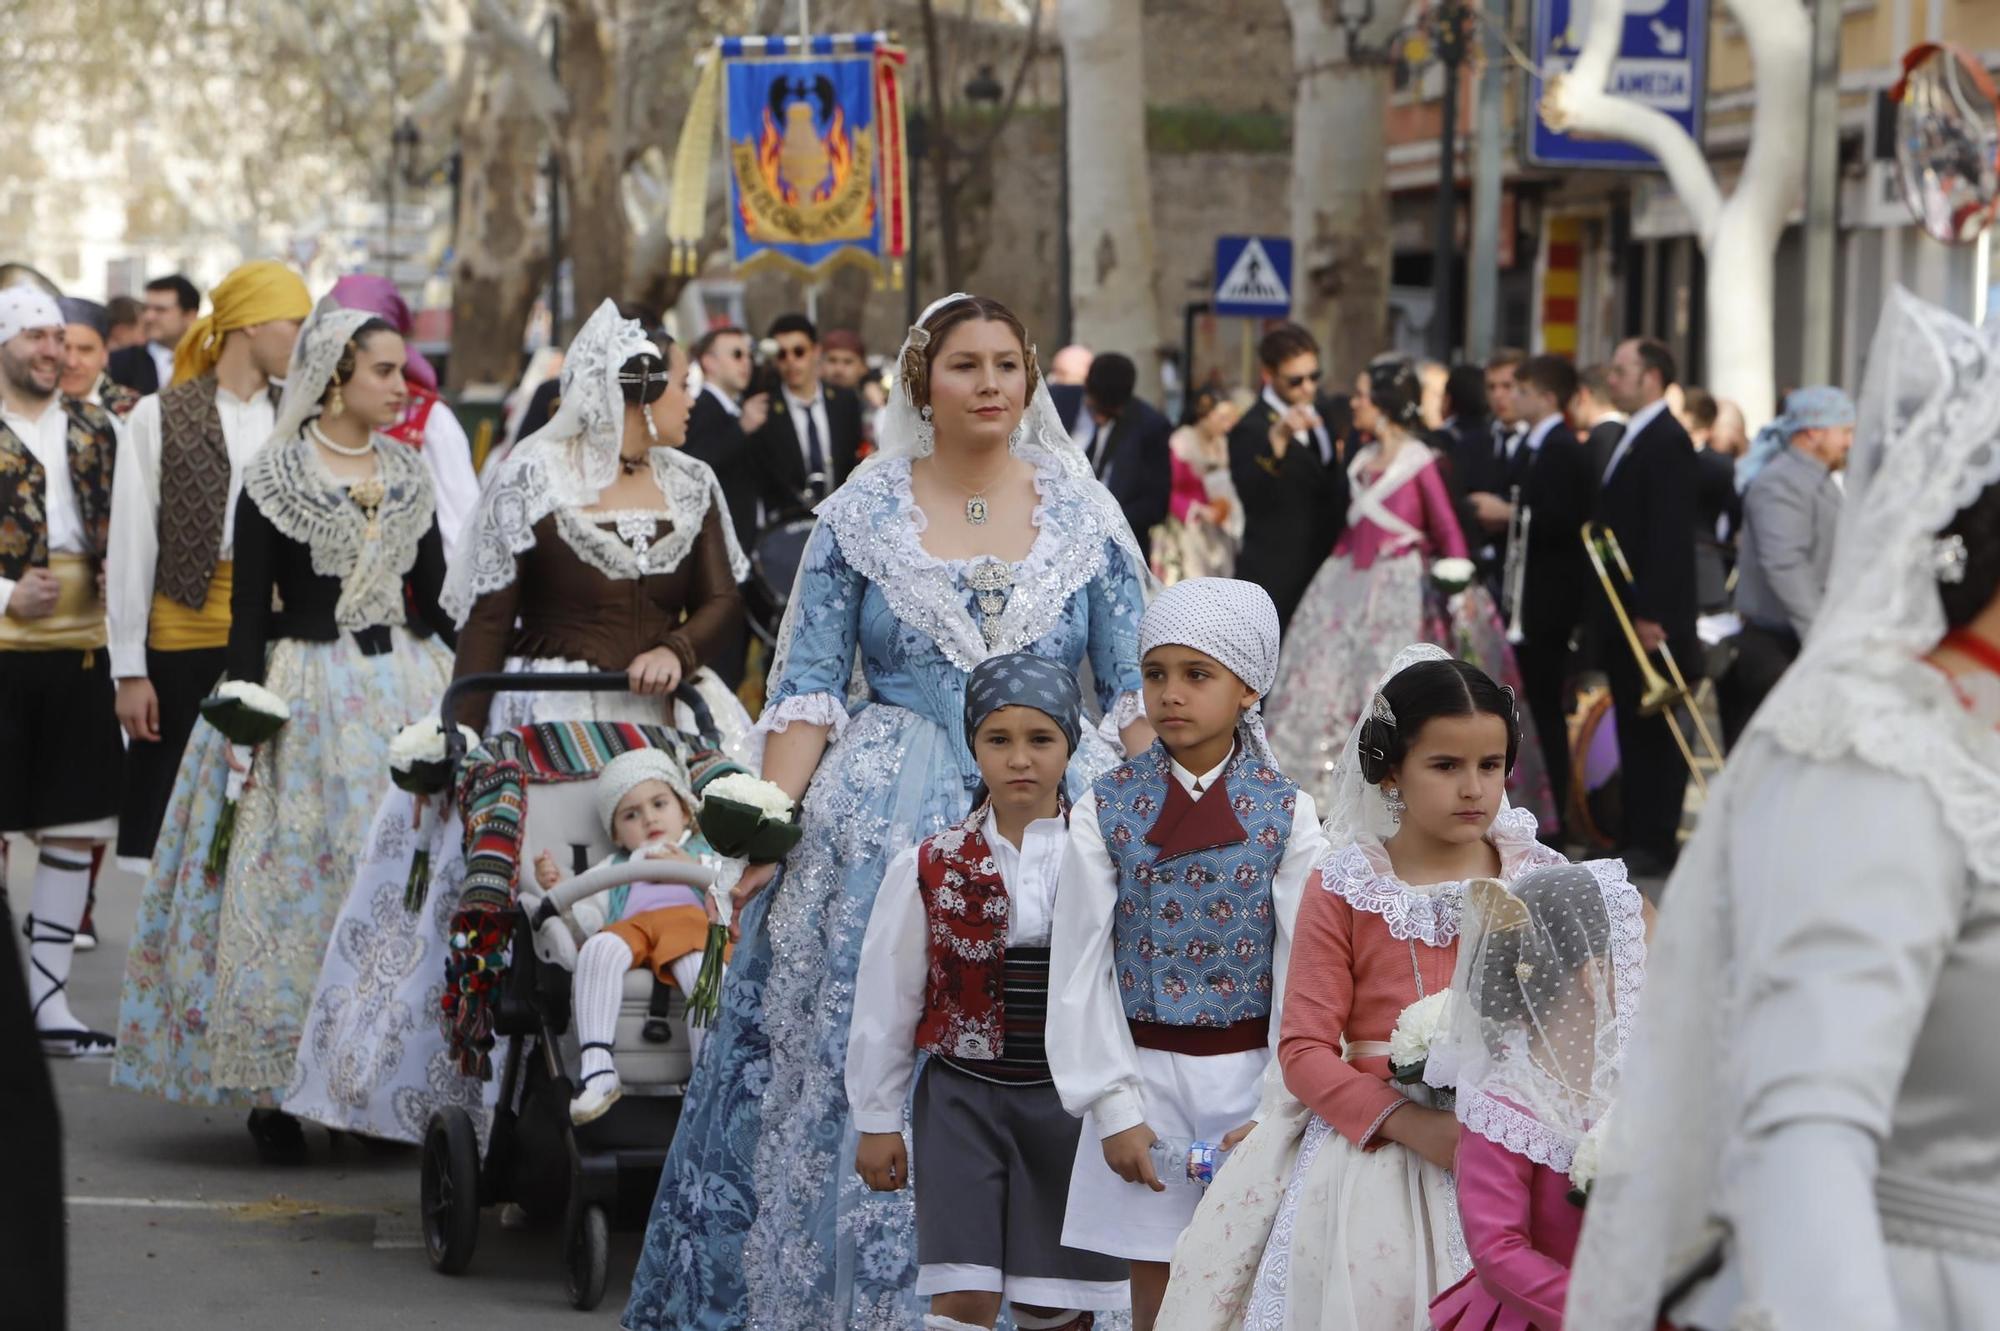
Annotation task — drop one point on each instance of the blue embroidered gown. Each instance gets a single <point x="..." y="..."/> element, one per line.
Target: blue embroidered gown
<point x="760" y="1220"/>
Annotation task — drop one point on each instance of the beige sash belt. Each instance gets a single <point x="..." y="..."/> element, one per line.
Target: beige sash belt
<point x="1359" y="1049"/>
<point x="78" y="622"/>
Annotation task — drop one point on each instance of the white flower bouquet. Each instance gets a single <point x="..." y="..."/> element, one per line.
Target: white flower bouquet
<point x="1453" y="574"/>
<point x="417" y="756"/>
<point x="1417" y="1029"/>
<point x="247" y="714"/>
<point x="746" y="818"/>
<point x="417" y="763"/>
<point x="1583" y="1166"/>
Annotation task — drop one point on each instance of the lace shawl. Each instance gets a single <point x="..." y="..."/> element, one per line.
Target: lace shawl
<point x="879" y="528"/>
<point x="1359" y="874"/>
<point x="536" y="482"/>
<point x="302" y="500"/>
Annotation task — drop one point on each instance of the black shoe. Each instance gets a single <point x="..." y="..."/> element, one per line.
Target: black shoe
<point x="280" y="1140"/>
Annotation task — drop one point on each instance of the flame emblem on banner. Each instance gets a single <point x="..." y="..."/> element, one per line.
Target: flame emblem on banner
<point x="807" y="177"/>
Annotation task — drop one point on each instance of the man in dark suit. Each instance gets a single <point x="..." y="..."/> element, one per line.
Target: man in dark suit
<point x="1124" y="438"/>
<point x="719" y="429"/>
<point x="813" y="436"/>
<point x="1288" y="459"/>
<point x="171" y="306"/>
<point x="1556" y="489"/>
<point x="1718" y="509"/>
<point x="1595" y="418"/>
<point x="722" y="420"/>
<point x="1647" y="497"/>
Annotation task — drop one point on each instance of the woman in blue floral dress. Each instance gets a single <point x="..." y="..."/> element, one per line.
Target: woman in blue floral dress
<point x="979" y="530"/>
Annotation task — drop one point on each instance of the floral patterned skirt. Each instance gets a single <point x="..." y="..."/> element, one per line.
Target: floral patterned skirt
<point x="220" y="972"/>
<point x="1349" y="626"/>
<point x="1301" y="1231"/>
<point x="375" y="1059"/>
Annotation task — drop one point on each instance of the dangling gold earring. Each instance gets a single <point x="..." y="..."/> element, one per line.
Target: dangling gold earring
<point x="646" y="414"/>
<point x="337" y="403"/>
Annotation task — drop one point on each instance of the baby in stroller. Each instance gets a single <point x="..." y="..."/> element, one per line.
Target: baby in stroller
<point x="646" y="803"/>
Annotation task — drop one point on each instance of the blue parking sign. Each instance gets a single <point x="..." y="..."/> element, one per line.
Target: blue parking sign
<point x="1662" y="63"/>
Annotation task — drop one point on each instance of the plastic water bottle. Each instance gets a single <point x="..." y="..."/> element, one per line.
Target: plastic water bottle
<point x="1181" y="1163"/>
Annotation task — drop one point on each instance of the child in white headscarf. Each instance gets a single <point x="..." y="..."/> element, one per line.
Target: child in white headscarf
<point x="1184" y="871"/>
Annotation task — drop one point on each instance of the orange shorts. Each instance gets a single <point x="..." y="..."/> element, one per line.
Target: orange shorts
<point x="659" y="938"/>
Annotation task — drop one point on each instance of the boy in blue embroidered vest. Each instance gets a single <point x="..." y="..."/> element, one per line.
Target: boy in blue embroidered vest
<point x="1183" y="876"/>
<point x="955" y="963"/>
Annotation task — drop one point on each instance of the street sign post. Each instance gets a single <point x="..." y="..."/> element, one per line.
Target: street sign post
<point x="1662" y="63"/>
<point x="1253" y="276"/>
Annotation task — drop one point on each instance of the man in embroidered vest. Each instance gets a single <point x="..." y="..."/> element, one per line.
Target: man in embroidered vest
<point x="1182" y="879"/>
<point x="179" y="472"/>
<point x="59" y="750"/>
<point x="956" y="964"/>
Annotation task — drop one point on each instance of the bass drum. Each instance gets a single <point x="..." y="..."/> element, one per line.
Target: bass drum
<point x="774" y="567"/>
<point x="1596" y="804"/>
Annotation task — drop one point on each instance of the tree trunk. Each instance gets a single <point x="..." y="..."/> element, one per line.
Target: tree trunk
<point x="1740" y="235"/>
<point x="1339" y="194"/>
<point x="597" y="232"/>
<point x="501" y="257"/>
<point x="1111" y="214"/>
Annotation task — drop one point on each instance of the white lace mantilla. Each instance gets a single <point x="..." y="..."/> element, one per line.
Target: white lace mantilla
<point x="876" y="520"/>
<point x="1359" y="874"/>
<point x="1518" y="1131"/>
<point x="297" y="494"/>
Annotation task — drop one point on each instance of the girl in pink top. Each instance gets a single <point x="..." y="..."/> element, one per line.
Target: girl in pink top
<point x="1337" y="1212"/>
<point x="1547" y="986"/>
<point x="1377" y="592"/>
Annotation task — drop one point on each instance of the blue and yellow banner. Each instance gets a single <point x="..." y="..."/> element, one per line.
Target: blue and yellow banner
<point x="817" y="164"/>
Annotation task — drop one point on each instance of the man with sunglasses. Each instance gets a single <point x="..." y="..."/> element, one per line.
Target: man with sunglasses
<point x="813" y="436"/>
<point x="720" y="428"/>
<point x="1288" y="458"/>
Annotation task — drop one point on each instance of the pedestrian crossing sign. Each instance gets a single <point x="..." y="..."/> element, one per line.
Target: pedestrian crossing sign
<point x="1253" y="276"/>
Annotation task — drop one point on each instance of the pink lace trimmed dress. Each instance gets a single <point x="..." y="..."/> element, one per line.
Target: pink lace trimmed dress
<point x="1369" y="600"/>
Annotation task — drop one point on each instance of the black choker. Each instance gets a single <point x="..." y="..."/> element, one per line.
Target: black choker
<point x="630" y="466"/>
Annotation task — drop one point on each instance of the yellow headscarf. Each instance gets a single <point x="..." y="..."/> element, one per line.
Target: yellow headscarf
<point x="257" y="293"/>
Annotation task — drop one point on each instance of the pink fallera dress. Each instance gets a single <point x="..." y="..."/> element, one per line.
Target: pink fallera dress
<point x="1522" y="1229"/>
<point x="1371" y="599"/>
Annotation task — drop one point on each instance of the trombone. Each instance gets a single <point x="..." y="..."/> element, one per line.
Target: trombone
<point x="1514" y="573"/>
<point x="1663" y="693"/>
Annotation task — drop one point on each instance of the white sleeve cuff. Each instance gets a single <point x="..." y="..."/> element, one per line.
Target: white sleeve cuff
<point x="7" y="586"/>
<point x="128" y="660"/>
<point x="877" y="1121"/>
<point x="1116" y="1110"/>
<point x="817" y="709"/>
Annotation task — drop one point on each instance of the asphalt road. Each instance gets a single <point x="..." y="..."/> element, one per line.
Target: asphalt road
<point x="174" y="1225"/>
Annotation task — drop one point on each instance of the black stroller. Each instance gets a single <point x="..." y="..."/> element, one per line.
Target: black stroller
<point x="607" y="1170"/>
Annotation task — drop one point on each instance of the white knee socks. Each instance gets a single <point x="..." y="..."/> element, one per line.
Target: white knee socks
<point x="62" y="886"/>
<point x="600" y="982"/>
<point x="686" y="971"/>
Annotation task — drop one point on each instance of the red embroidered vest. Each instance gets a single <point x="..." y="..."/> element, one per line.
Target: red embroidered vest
<point x="965" y="904"/>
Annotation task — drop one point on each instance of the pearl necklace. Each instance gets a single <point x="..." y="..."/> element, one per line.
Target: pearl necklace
<point x="319" y="437"/>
